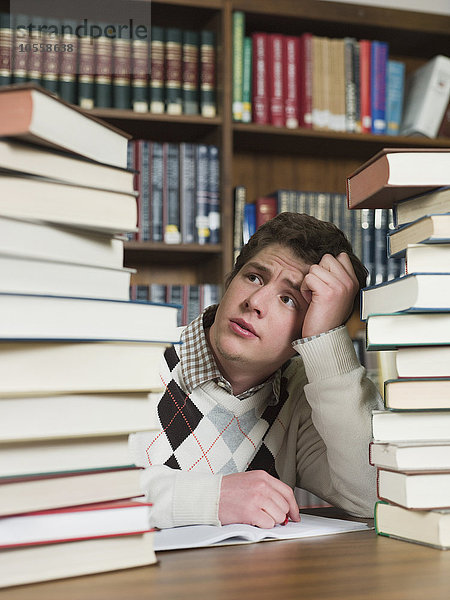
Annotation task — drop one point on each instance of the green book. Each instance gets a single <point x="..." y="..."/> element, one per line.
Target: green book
<point x="103" y="69"/>
<point x="247" y="81"/>
<point x="140" y="69"/>
<point x="174" y="101"/>
<point x="207" y="74"/>
<point x="121" y="79"/>
<point x="238" y="54"/>
<point x="19" y="53"/>
<point x="157" y="70"/>
<point x="68" y="62"/>
<point x="6" y="42"/>
<point x="86" y="70"/>
<point x="190" y="78"/>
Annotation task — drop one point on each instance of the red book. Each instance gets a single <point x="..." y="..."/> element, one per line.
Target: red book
<point x="364" y="74"/>
<point x="266" y="209"/>
<point x="260" y="96"/>
<point x="291" y="81"/>
<point x="275" y="87"/>
<point x="104" y="519"/>
<point x="305" y="80"/>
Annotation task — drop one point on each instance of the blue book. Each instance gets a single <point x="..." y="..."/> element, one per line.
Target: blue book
<point x="249" y="221"/>
<point x="378" y="65"/>
<point x="395" y="86"/>
<point x="214" y="194"/>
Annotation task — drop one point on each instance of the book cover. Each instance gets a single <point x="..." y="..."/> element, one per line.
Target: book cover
<point x="260" y="93"/>
<point x="378" y="56"/>
<point x="395" y="85"/>
<point x="275" y="82"/>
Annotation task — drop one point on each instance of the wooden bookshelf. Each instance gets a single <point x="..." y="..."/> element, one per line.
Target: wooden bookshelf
<point x="264" y="158"/>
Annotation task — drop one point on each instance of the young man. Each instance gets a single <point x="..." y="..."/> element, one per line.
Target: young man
<point x="265" y="392"/>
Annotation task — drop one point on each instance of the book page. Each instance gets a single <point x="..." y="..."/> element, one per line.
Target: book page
<point x="198" y="536"/>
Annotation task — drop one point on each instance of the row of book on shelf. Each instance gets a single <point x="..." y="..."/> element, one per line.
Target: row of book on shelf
<point x="365" y="229"/>
<point x="340" y="84"/>
<point x="408" y="323"/>
<point x="70" y="496"/>
<point x="100" y="65"/>
<point x="178" y="188"/>
<point x="192" y="299"/>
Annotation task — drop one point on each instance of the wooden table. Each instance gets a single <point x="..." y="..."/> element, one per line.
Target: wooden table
<point x="349" y="566"/>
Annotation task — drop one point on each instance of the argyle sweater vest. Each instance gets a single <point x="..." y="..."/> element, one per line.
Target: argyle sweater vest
<point x="211" y="430"/>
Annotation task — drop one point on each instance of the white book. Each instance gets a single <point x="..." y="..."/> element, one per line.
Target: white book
<point x="198" y="536"/>
<point x="426" y="98"/>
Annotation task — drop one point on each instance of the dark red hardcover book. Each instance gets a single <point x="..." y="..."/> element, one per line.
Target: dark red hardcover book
<point x="260" y="96"/>
<point x="275" y="87"/>
<point x="266" y="209"/>
<point x="291" y="66"/>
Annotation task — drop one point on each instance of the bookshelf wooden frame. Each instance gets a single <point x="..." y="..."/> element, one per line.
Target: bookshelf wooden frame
<point x="264" y="158"/>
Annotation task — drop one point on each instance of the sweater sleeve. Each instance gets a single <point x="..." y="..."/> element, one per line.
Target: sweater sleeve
<point x="180" y="497"/>
<point x="335" y="428"/>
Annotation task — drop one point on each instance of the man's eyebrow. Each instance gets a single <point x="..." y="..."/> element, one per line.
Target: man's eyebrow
<point x="263" y="269"/>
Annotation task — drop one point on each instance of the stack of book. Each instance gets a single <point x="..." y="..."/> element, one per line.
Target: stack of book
<point x="79" y="361"/>
<point x="410" y="317"/>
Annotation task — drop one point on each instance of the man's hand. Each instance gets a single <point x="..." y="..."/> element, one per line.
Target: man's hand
<point x="256" y="498"/>
<point x="329" y="288"/>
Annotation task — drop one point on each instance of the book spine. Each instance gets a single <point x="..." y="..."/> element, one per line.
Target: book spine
<point x="103" y="69"/>
<point x="193" y="302"/>
<point x="350" y="86"/>
<point x="214" y="194"/>
<point x="266" y="209"/>
<point x="156" y="200"/>
<point x="121" y="78"/>
<point x="364" y="82"/>
<point x="137" y="182"/>
<point x="51" y="60"/>
<point x="275" y="88"/>
<point x="34" y="74"/>
<point x="290" y="81"/>
<point x="173" y="66"/>
<point x="394" y="96"/>
<point x="19" y="54"/>
<point x="6" y="44"/>
<point x="337" y="63"/>
<point x="367" y="242"/>
<point x="171" y="194"/>
<point x="157" y="62"/>
<point x="207" y="74"/>
<point x="378" y="57"/>
<point x="305" y="80"/>
<point x="357" y="77"/>
<point x="140" y="68"/>
<point x="133" y="164"/>
<point x="282" y="199"/>
<point x="190" y="72"/>
<point x="240" y="194"/>
<point x="187" y="192"/>
<point x="380" y="248"/>
<point x="68" y="63"/>
<point x="247" y="81"/>
<point x="260" y="79"/>
<point x="238" y="60"/>
<point x="249" y="227"/>
<point x="202" y="208"/>
<point x="145" y="191"/>
<point x="86" y="70"/>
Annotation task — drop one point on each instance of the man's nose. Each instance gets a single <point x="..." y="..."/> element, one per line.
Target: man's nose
<point x="257" y="301"/>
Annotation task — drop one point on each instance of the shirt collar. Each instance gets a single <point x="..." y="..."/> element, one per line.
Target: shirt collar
<point x="197" y="360"/>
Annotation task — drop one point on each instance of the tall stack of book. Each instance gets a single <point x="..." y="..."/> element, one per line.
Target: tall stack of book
<point x="410" y="317"/>
<point x="79" y="361"/>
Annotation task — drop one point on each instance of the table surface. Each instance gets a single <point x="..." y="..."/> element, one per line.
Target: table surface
<point x="357" y="565"/>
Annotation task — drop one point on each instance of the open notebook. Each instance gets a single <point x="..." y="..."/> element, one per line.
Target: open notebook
<point x="198" y="536"/>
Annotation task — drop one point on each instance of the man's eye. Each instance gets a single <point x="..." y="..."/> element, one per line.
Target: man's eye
<point x="254" y="278"/>
<point x="288" y="301"/>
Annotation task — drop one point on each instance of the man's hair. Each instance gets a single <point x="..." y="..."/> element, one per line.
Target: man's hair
<point x="307" y="237"/>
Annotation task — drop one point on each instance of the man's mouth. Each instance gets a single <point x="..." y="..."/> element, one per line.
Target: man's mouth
<point x="244" y="326"/>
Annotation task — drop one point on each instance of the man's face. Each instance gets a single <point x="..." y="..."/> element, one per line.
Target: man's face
<point x="261" y="313"/>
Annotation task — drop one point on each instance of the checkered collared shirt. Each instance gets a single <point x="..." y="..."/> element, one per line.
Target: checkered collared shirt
<point x="197" y="360"/>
